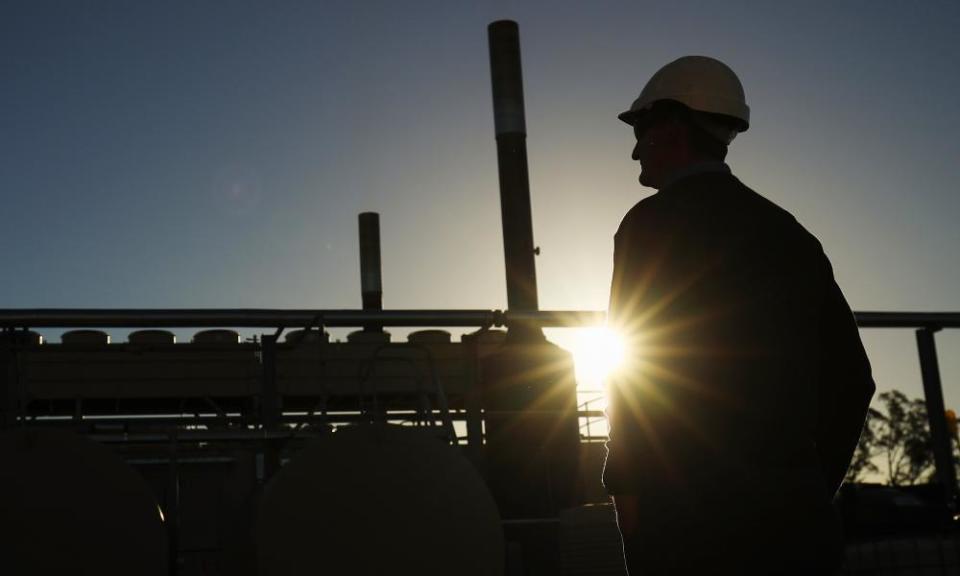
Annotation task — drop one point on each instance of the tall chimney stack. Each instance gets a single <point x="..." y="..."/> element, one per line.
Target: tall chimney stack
<point x="511" y="131"/>
<point x="529" y="392"/>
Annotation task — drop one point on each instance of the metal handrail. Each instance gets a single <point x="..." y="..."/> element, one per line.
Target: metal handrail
<point x="925" y="324"/>
<point x="273" y="318"/>
<point x="930" y="320"/>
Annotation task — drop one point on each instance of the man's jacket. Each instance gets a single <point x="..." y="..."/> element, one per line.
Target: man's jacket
<point x="747" y="383"/>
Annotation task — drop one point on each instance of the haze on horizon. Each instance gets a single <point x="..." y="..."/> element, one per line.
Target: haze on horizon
<point x="190" y="155"/>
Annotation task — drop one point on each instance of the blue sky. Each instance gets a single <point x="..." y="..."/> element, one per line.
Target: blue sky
<point x="202" y="154"/>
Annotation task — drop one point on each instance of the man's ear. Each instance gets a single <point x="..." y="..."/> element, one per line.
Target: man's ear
<point x="681" y="136"/>
<point x="672" y="134"/>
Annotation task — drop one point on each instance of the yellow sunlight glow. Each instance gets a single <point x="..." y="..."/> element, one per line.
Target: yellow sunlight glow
<point x="597" y="353"/>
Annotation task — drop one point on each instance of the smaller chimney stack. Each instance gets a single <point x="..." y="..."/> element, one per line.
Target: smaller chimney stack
<point x="371" y="286"/>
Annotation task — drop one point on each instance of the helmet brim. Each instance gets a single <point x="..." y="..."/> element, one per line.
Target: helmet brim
<point x="634" y="117"/>
<point x="631" y="117"/>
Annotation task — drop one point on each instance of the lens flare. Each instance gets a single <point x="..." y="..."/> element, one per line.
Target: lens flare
<point x="597" y="353"/>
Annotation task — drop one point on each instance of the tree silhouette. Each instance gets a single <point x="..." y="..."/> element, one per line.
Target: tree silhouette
<point x="863" y="463"/>
<point x="898" y="435"/>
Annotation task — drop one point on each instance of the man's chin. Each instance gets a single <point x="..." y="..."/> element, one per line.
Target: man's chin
<point x="645" y="180"/>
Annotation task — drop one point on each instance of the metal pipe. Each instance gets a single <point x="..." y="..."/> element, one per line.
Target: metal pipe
<point x="270" y="403"/>
<point x="172" y="507"/>
<point x="554" y="318"/>
<point x="510" y="125"/>
<point x="936" y="415"/>
<point x="244" y="317"/>
<point x="931" y="320"/>
<point x="371" y="286"/>
<point x="149" y="421"/>
<point x="271" y="318"/>
<point x="188" y="436"/>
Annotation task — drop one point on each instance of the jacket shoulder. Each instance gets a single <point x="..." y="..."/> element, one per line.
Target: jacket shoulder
<point x="648" y="212"/>
<point x="758" y="212"/>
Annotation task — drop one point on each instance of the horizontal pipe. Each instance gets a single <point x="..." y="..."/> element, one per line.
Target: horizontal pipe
<point x="272" y="318"/>
<point x="262" y="318"/>
<point x="933" y="320"/>
<point x="141" y="419"/>
<point x="199" y="436"/>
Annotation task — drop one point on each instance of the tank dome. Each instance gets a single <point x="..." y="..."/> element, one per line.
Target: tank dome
<point x="379" y="499"/>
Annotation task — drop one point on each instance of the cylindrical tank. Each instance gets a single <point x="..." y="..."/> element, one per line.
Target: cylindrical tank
<point x="151" y="337"/>
<point x="532" y="432"/>
<point x="429" y="337"/>
<point x="490" y="340"/>
<point x="31" y="338"/>
<point x="71" y="506"/>
<point x="379" y="499"/>
<point x="85" y="338"/>
<point x="364" y="337"/>
<point x="217" y="336"/>
<point x="306" y="337"/>
<point x="532" y="443"/>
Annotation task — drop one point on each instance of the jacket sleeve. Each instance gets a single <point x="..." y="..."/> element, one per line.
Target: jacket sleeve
<point x="644" y="276"/>
<point x="618" y="466"/>
<point x="845" y="385"/>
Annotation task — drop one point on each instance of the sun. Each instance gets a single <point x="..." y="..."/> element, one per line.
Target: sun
<point x="597" y="353"/>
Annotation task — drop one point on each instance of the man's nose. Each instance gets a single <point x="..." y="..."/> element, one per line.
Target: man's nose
<point x="636" y="151"/>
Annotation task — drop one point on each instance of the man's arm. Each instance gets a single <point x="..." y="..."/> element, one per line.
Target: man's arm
<point x="656" y="269"/>
<point x="845" y="387"/>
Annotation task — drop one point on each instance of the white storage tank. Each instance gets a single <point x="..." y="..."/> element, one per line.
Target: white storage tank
<point x="429" y="337"/>
<point x="151" y="337"/>
<point x="85" y="338"/>
<point x="306" y="337"/>
<point x="216" y="336"/>
<point x="363" y="337"/>
<point x="22" y="337"/>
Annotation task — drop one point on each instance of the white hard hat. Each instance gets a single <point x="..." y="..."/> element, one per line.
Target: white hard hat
<point x="700" y="83"/>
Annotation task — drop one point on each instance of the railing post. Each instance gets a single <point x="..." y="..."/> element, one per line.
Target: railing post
<point x="269" y="404"/>
<point x="13" y="348"/>
<point x="936" y="413"/>
<point x="9" y="384"/>
<point x="472" y="401"/>
<point x="172" y="505"/>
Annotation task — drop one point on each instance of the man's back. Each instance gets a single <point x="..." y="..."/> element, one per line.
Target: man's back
<point x="744" y="344"/>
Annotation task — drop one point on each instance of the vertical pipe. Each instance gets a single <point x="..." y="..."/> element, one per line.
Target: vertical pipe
<point x="936" y="413"/>
<point x="371" y="284"/>
<point x="472" y="400"/>
<point x="13" y="378"/>
<point x="528" y="389"/>
<point x="172" y="508"/>
<point x="510" y="124"/>
<point x="10" y="373"/>
<point x="270" y="407"/>
<point x="370" y="281"/>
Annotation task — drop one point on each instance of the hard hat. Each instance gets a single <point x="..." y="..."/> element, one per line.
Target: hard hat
<point x="700" y="83"/>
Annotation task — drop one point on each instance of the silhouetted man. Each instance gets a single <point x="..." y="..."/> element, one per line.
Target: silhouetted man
<point x="734" y="423"/>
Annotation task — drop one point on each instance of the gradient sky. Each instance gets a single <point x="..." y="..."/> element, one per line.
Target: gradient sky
<point x="216" y="154"/>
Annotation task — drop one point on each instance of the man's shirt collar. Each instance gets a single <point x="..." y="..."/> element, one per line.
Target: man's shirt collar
<point x="692" y="169"/>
